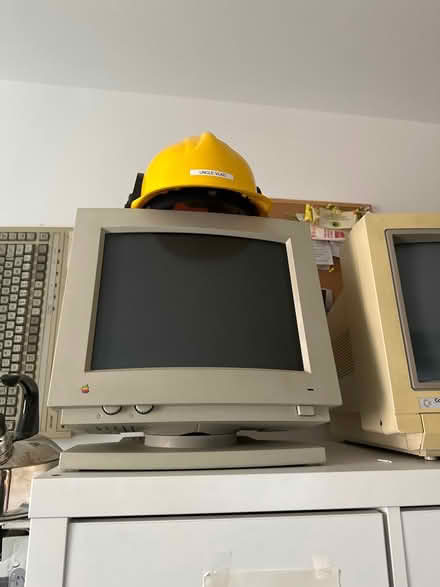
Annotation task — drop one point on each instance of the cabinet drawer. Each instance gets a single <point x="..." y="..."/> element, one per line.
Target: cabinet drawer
<point x="167" y="552"/>
<point x="421" y="534"/>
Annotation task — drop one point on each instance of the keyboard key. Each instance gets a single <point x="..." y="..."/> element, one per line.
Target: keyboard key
<point x="19" y="329"/>
<point x="18" y="338"/>
<point x="13" y="297"/>
<point x="15" y="280"/>
<point x="11" y="315"/>
<point x="25" y="275"/>
<point x="16" y="348"/>
<point x="9" y="334"/>
<point x="12" y="307"/>
<point x="15" y="357"/>
<point x="25" y="284"/>
<point x="38" y="293"/>
<point x="23" y="293"/>
<point x="29" y="368"/>
<point x="7" y="273"/>
<point x="38" y="284"/>
<point x="3" y="249"/>
<point x="32" y="339"/>
<point x="15" y="289"/>
<point x="31" y="236"/>
<point x="10" y="425"/>
<point x="35" y="320"/>
<point x="30" y="358"/>
<point x="28" y="249"/>
<point x="16" y="272"/>
<point x="9" y="264"/>
<point x="40" y="276"/>
<point x="2" y="400"/>
<point x="3" y="391"/>
<point x="3" y="236"/>
<point x="36" y="311"/>
<point x="21" y="311"/>
<point x="41" y="259"/>
<point x="19" y="250"/>
<point x="10" y="251"/>
<point x="12" y="236"/>
<point x="21" y="236"/>
<point x="18" y="261"/>
<point x="2" y="317"/>
<point x="40" y="266"/>
<point x="14" y="368"/>
<point x="8" y="344"/>
<point x="11" y="401"/>
<point x="42" y="249"/>
<point x="12" y="391"/>
<point x="27" y="258"/>
<point x="6" y="282"/>
<point x="32" y="348"/>
<point x="6" y="354"/>
<point x="4" y="299"/>
<point x="5" y="291"/>
<point x="36" y="302"/>
<point x="33" y="330"/>
<point x="5" y="363"/>
<point x="3" y="308"/>
<point x="44" y="236"/>
<point x="26" y="266"/>
<point x="10" y="325"/>
<point x="11" y="411"/>
<point x="20" y="320"/>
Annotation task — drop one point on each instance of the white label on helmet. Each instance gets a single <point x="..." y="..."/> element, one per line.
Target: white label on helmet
<point x="211" y="172"/>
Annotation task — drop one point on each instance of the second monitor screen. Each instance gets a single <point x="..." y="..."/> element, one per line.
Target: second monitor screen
<point x="194" y="300"/>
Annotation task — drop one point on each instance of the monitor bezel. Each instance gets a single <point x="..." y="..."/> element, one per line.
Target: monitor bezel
<point x="408" y="235"/>
<point x="74" y="384"/>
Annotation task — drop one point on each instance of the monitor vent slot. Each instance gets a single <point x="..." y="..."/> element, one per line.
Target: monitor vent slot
<point x="343" y="353"/>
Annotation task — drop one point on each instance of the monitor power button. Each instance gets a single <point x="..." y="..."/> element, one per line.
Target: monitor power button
<point x="143" y="408"/>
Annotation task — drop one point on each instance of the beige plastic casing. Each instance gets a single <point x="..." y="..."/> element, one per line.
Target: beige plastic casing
<point x="380" y="405"/>
<point x="188" y="396"/>
<point x="59" y="246"/>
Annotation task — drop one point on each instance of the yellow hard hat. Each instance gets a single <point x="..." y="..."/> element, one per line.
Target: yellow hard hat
<point x="202" y="161"/>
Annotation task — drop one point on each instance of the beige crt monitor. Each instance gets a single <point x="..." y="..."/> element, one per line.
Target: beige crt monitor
<point x="385" y="331"/>
<point x="189" y="328"/>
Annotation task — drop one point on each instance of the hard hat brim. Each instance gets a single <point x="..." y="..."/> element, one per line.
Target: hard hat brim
<point x="262" y="203"/>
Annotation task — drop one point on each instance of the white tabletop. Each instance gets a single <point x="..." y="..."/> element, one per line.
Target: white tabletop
<point x="354" y="477"/>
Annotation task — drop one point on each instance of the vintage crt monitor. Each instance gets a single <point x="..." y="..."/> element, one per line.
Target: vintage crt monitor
<point x="385" y="331"/>
<point x="190" y="327"/>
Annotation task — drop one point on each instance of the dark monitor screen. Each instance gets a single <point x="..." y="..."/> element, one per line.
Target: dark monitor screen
<point x="194" y="300"/>
<point x="419" y="272"/>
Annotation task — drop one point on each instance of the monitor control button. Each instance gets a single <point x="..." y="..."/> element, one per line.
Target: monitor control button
<point x="111" y="410"/>
<point x="143" y="408"/>
<point x="305" y="410"/>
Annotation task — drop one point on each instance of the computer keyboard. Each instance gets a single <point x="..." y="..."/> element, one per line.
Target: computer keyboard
<point x="33" y="263"/>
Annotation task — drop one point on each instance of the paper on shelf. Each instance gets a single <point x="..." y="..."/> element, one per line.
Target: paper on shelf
<point x="326" y="234"/>
<point x="336" y="248"/>
<point x="323" y="253"/>
<point x="328" y="218"/>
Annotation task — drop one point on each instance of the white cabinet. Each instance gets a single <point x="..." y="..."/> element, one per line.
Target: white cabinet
<point x="421" y="534"/>
<point x="178" y="551"/>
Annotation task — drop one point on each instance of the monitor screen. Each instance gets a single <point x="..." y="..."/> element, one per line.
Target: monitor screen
<point x="418" y="264"/>
<point x="194" y="300"/>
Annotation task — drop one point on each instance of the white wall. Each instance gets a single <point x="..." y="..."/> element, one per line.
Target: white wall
<point x="63" y="148"/>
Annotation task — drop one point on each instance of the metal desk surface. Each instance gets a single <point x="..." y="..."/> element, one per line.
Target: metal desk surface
<point x="353" y="478"/>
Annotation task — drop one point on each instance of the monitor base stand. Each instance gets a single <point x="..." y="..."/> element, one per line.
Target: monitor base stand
<point x="131" y="454"/>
